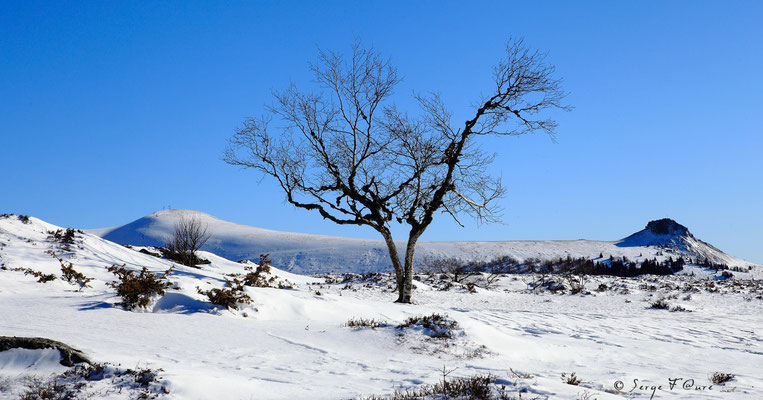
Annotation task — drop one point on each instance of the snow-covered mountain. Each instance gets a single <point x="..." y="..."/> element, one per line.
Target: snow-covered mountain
<point x="308" y="253"/>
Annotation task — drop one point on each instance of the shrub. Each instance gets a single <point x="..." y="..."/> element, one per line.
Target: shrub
<point x="136" y="290"/>
<point x="660" y="304"/>
<point x="719" y="378"/>
<point x="476" y="387"/>
<point x="41" y="277"/>
<point x="76" y="383"/>
<point x="69" y="274"/>
<point x="229" y="297"/>
<point x="450" y="268"/>
<point x="571" y="379"/>
<point x="365" y="323"/>
<point x="37" y="389"/>
<point x="434" y="326"/>
<point x="66" y="237"/>
<point x="23" y="218"/>
<point x="257" y="277"/>
<point x="189" y="236"/>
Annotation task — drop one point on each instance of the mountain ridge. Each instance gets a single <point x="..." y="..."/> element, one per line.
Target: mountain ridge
<point x="313" y="253"/>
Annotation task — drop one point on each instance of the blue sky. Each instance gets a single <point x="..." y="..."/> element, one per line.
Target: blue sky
<point x="112" y="110"/>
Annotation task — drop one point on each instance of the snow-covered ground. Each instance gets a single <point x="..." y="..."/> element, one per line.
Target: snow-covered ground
<point x="292" y="344"/>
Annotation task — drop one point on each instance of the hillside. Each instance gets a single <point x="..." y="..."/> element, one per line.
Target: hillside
<point x="295" y="343"/>
<point x="306" y="253"/>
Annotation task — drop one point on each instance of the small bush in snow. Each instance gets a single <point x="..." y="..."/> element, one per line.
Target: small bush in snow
<point x="660" y="304"/>
<point x="136" y="290"/>
<point x="69" y="274"/>
<point x="66" y="237"/>
<point x="23" y="218"/>
<point x="435" y="325"/>
<point x="229" y="297"/>
<point x="719" y="378"/>
<point x="476" y="387"/>
<point x="41" y="277"/>
<point x="38" y="389"/>
<point x="82" y="380"/>
<point x="364" y="323"/>
<point x="571" y="379"/>
<point x="189" y="236"/>
<point x="259" y="277"/>
<point x="451" y="269"/>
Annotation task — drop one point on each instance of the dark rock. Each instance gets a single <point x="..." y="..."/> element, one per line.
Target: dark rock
<point x="667" y="226"/>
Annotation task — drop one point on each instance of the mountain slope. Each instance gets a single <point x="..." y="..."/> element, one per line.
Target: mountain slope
<point x="308" y="253"/>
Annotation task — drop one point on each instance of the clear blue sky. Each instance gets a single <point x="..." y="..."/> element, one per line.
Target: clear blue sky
<point x="112" y="110"/>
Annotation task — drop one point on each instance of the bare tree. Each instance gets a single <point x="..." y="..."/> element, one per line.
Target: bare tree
<point x="189" y="236"/>
<point x="348" y="153"/>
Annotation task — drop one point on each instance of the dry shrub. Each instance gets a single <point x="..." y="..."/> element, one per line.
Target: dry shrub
<point x="229" y="297"/>
<point x="571" y="379"/>
<point x="69" y="274"/>
<point x="189" y="236"/>
<point x="136" y="290"/>
<point x="41" y="277"/>
<point x="365" y="323"/>
<point x="476" y="387"/>
<point x="258" y="277"/>
<point x="435" y="325"/>
<point x="660" y="304"/>
<point x="719" y="378"/>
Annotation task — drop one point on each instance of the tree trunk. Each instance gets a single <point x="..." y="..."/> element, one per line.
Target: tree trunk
<point x="395" y="258"/>
<point x="405" y="287"/>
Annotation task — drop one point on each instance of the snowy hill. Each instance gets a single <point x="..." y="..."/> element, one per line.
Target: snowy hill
<point x="295" y="343"/>
<point x="306" y="253"/>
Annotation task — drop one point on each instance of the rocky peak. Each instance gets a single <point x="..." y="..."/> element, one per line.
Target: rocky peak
<point x="667" y="226"/>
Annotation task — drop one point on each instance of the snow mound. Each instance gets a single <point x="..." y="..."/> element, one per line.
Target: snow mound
<point x="14" y="362"/>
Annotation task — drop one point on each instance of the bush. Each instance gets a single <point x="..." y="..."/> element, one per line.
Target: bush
<point x="229" y="297"/>
<point x="136" y="290"/>
<point x="257" y="277"/>
<point x="571" y="379"/>
<point x="719" y="378"/>
<point x="23" y="218"/>
<point x="76" y="383"/>
<point x="434" y="326"/>
<point x="450" y="268"/>
<point x="37" y="389"/>
<point x="190" y="235"/>
<point x="69" y="274"/>
<point x="476" y="387"/>
<point x="41" y="277"/>
<point x="660" y="304"/>
<point x="66" y="237"/>
<point x="364" y="323"/>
